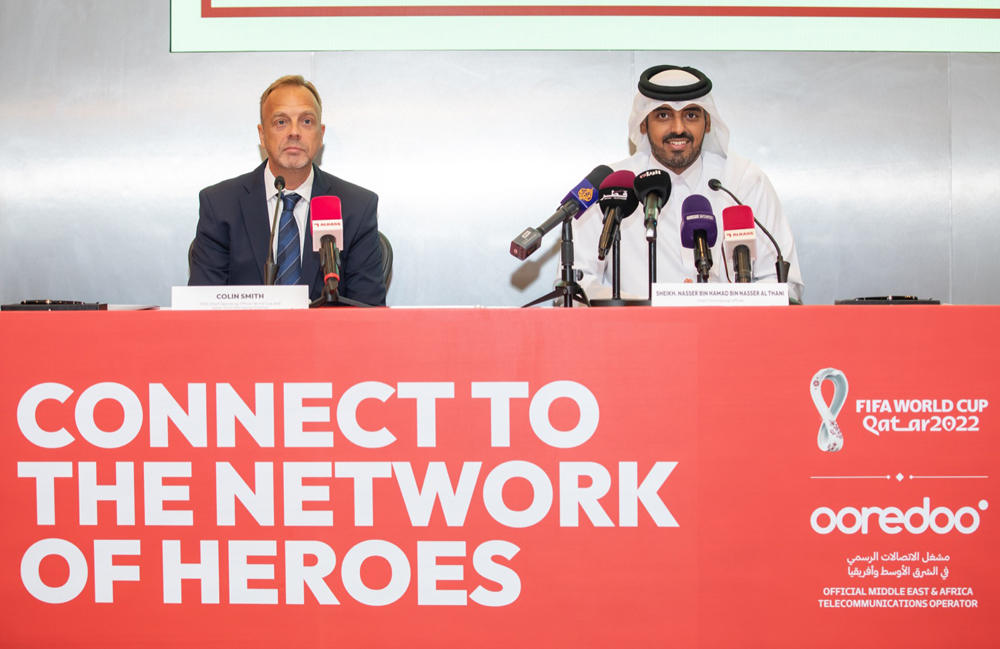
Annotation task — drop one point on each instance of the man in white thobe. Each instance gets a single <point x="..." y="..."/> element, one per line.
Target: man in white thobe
<point x="676" y="127"/>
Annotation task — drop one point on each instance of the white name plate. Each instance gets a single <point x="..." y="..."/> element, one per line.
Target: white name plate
<point x="233" y="298"/>
<point x="762" y="294"/>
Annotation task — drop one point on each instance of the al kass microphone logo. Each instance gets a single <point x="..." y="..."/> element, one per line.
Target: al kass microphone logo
<point x="831" y="438"/>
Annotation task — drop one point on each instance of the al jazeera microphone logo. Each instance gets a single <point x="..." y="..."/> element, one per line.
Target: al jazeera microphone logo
<point x="831" y="438"/>
<point x="586" y="194"/>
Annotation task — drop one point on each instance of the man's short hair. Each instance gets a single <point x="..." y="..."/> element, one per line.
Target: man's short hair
<point x="290" y="80"/>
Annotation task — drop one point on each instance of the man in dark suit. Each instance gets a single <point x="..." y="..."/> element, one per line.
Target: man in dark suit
<point x="234" y="224"/>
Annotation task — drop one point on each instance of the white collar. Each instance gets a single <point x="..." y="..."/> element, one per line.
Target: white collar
<point x="304" y="190"/>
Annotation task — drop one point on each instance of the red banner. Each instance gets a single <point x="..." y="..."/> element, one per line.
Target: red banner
<point x="717" y="477"/>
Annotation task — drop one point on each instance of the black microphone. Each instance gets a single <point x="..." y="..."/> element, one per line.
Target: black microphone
<point x="576" y="202"/>
<point x="271" y="268"/>
<point x="618" y="200"/>
<point x="330" y="261"/>
<point x="781" y="266"/>
<point x="699" y="232"/>
<point x="653" y="187"/>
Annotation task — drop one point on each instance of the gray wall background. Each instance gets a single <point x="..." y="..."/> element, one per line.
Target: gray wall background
<point x="888" y="165"/>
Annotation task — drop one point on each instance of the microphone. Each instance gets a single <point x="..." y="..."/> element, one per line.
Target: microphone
<point x="653" y="188"/>
<point x="271" y="268"/>
<point x="781" y="266"/>
<point x="327" y="237"/>
<point x="699" y="232"/>
<point x="576" y="202"/>
<point x="739" y="241"/>
<point x="618" y="200"/>
<point x="715" y="185"/>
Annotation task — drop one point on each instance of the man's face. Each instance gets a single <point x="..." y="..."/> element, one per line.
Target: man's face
<point x="290" y="129"/>
<point x="676" y="136"/>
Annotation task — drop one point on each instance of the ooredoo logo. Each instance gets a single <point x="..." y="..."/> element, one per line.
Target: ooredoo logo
<point x="892" y="520"/>
<point x="830" y="438"/>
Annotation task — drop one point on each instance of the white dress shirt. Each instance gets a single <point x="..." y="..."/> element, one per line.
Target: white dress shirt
<point x="301" y="211"/>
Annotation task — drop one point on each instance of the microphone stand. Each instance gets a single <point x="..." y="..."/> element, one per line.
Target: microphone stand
<point x="781" y="267"/>
<point x="652" y="214"/>
<point x="568" y="288"/>
<point x="652" y="263"/>
<point x="616" y="279"/>
<point x="333" y="298"/>
<point x="331" y="284"/>
<point x="270" y="267"/>
<point x="702" y="256"/>
<point x="616" y="266"/>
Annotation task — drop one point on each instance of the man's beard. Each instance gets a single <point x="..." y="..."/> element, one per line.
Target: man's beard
<point x="676" y="161"/>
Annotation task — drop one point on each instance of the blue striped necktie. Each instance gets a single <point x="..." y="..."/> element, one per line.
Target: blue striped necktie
<point x="289" y="256"/>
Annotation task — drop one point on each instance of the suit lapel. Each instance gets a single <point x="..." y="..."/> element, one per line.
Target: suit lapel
<point x="256" y="219"/>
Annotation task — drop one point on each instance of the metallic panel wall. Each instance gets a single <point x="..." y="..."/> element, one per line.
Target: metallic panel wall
<point x="888" y="164"/>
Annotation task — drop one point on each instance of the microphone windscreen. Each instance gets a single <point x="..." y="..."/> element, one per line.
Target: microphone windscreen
<point x="585" y="193"/>
<point x="622" y="178"/>
<point x="618" y="190"/>
<point x="324" y="208"/>
<point x="599" y="175"/>
<point x="653" y="181"/>
<point x="737" y="217"/>
<point x="696" y="214"/>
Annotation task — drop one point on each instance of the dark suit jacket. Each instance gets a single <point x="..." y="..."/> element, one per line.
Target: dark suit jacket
<point x="234" y="228"/>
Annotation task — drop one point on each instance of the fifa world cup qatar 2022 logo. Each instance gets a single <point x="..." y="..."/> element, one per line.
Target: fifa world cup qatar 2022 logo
<point x="831" y="438"/>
